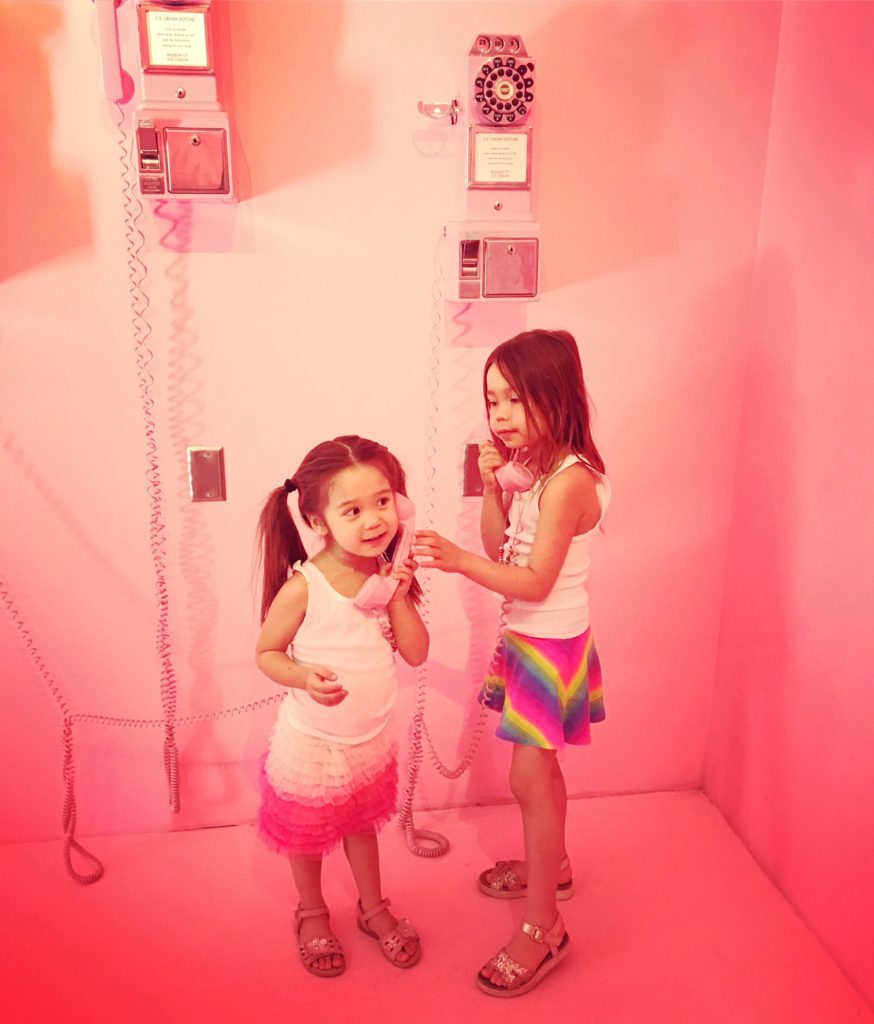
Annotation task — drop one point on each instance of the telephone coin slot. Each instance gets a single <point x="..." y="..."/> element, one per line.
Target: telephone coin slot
<point x="147" y="147"/>
<point x="469" y="269"/>
<point x="470" y="258"/>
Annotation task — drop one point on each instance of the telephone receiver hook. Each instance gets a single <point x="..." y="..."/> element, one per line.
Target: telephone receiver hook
<point x="437" y="111"/>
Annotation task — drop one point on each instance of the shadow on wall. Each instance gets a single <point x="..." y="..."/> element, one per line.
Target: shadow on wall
<point x="45" y="210"/>
<point x="296" y="114"/>
<point x="83" y="534"/>
<point x="600" y="203"/>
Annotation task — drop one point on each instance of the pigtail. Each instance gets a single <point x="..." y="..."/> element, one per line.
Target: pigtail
<point x="280" y="545"/>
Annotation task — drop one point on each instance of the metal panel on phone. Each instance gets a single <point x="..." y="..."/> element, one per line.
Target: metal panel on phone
<point x="197" y="160"/>
<point x="510" y="267"/>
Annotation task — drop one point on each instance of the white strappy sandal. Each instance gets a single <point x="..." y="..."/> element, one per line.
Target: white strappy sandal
<point x="314" y="950"/>
<point x="402" y="936"/>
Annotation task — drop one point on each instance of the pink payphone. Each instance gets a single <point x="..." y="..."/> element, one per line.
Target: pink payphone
<point x="493" y="244"/>
<point x="181" y="144"/>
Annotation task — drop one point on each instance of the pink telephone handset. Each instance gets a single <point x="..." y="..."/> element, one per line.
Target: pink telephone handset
<point x="514" y="477"/>
<point x="378" y="590"/>
<point x="118" y="86"/>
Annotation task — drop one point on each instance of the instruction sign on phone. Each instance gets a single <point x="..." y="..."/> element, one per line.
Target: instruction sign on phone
<point x="500" y="159"/>
<point x="177" y="39"/>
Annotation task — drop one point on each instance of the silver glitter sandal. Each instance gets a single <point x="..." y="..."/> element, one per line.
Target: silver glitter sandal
<point x="519" y="980"/>
<point x="504" y="883"/>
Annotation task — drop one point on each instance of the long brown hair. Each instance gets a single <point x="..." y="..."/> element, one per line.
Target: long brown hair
<point x="544" y="369"/>
<point x="278" y="537"/>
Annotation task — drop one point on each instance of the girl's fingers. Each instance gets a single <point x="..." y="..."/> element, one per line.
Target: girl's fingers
<point x="328" y="686"/>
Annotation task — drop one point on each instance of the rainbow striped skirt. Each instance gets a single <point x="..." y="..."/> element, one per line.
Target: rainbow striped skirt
<point x="547" y="691"/>
<point x="314" y="793"/>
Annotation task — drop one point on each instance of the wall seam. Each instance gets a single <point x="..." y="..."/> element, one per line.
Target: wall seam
<point x="742" y="414"/>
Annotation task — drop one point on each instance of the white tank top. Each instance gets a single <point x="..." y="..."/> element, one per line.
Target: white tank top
<point x="564" y="612"/>
<point x="337" y="635"/>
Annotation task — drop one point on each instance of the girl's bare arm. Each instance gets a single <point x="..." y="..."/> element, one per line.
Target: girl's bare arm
<point x="283" y="620"/>
<point x="568" y="506"/>
<point x="409" y="631"/>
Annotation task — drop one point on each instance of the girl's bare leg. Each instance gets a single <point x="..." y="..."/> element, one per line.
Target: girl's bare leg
<point x="362" y="852"/>
<point x="307" y="873"/>
<point x="565" y="871"/>
<point x="539" y="789"/>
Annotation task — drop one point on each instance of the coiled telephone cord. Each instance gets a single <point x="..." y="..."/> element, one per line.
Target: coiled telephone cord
<point x="142" y="332"/>
<point x="70" y="718"/>
<point x="422" y="842"/>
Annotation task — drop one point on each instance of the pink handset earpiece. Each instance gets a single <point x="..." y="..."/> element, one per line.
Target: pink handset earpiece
<point x="376" y="591"/>
<point x="514" y="477"/>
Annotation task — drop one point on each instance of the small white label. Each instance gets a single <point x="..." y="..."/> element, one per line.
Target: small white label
<point x="177" y="39"/>
<point x="500" y="158"/>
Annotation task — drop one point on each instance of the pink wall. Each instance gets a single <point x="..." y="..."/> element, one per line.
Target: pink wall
<point x="289" y="317"/>
<point x="791" y="758"/>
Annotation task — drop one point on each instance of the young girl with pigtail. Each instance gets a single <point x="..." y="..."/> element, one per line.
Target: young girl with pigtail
<point x="330" y="773"/>
<point x="545" y="494"/>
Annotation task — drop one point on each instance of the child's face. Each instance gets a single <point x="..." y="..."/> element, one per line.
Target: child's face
<point x="507" y="416"/>
<point x="360" y="512"/>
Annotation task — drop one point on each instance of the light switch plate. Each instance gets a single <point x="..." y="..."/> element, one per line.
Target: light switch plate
<point x="206" y="474"/>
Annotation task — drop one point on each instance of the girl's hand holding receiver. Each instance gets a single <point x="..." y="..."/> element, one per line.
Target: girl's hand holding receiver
<point x="488" y="461"/>
<point x="436" y="552"/>
<point x="404" y="575"/>
<point x="322" y="686"/>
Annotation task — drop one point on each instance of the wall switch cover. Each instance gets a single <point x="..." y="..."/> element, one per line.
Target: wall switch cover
<point x="472" y="486"/>
<point x="206" y="474"/>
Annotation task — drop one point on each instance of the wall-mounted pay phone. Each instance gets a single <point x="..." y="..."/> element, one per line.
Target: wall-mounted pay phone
<point x="181" y="145"/>
<point x="493" y="244"/>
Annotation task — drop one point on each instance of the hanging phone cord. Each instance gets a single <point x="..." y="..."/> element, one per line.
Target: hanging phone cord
<point x="422" y="842"/>
<point x="69" y="718"/>
<point x="142" y="332"/>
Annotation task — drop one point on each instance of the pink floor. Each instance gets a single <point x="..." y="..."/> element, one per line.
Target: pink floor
<point x="672" y="922"/>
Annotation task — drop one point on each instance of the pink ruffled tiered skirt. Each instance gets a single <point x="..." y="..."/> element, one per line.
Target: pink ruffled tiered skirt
<point x="315" y="792"/>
